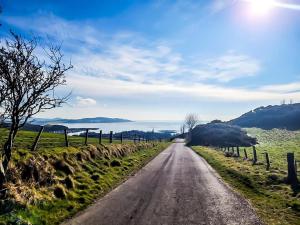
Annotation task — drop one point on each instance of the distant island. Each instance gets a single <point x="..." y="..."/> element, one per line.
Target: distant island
<point x="43" y="121"/>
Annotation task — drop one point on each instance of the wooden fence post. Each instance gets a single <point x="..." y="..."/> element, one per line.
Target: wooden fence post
<point x="100" y="137"/>
<point x="110" y="137"/>
<point x="232" y="150"/>
<point x="254" y="155"/>
<point x="86" y="136"/>
<point x="238" y="151"/>
<point x="245" y="153"/>
<point x="121" y="138"/>
<point x="139" y="138"/>
<point x="292" y="173"/>
<point x="66" y="138"/>
<point x="267" y="161"/>
<point x="33" y="148"/>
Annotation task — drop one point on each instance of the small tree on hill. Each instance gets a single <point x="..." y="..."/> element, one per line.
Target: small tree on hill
<point x="191" y="120"/>
<point x="27" y="87"/>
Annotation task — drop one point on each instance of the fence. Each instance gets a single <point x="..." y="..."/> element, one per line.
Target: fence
<point x="291" y="163"/>
<point x="41" y="139"/>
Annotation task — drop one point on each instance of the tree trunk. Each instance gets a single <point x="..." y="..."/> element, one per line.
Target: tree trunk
<point x="6" y="154"/>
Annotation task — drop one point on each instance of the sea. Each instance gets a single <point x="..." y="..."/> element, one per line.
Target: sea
<point x="156" y="126"/>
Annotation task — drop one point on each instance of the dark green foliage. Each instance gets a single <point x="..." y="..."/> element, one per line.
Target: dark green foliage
<point x="220" y="134"/>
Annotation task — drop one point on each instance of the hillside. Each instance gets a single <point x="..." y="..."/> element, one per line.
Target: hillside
<point x="270" y="117"/>
<point x="42" y="121"/>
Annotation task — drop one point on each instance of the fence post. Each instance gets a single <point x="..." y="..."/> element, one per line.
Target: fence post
<point x="66" y="138"/>
<point x="267" y="161"/>
<point x="238" y="151"/>
<point x="292" y="174"/>
<point x="86" y="136"/>
<point x="100" y="137"/>
<point x="33" y="148"/>
<point x="139" y="138"/>
<point x="254" y="155"/>
<point x="232" y="150"/>
<point x="245" y="153"/>
<point x="110" y="137"/>
<point x="121" y="138"/>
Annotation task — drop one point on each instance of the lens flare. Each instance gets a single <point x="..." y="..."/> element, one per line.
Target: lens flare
<point x="261" y="7"/>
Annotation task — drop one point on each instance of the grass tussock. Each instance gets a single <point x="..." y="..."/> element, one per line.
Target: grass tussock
<point x="50" y="185"/>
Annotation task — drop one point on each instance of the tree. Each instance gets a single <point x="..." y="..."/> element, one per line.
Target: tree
<point x="191" y="121"/>
<point x="28" y="86"/>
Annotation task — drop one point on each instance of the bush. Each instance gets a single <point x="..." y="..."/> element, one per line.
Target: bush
<point x="220" y="134"/>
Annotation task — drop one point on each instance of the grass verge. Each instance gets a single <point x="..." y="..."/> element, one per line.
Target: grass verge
<point x="275" y="202"/>
<point x="68" y="179"/>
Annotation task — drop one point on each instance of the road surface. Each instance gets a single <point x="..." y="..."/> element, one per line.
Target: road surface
<point x="177" y="187"/>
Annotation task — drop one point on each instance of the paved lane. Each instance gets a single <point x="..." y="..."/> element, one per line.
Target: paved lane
<point x="176" y="188"/>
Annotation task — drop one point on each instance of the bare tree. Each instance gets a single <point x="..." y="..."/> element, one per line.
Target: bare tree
<point x="191" y="121"/>
<point x="28" y="86"/>
<point x="182" y="129"/>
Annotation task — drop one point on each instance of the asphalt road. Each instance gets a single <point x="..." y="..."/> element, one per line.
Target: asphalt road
<point x="176" y="188"/>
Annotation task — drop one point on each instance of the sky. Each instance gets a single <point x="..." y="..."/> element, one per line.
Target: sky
<point x="163" y="59"/>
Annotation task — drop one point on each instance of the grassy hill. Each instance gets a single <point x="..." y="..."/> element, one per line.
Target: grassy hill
<point x="275" y="201"/>
<point x="53" y="183"/>
<point x="269" y="117"/>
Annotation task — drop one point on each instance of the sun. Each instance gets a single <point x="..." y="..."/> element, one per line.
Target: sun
<point x="261" y="7"/>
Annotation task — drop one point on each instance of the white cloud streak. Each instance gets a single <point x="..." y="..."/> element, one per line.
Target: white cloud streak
<point x="85" y="102"/>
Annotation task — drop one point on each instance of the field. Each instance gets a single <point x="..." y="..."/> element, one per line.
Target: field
<point x="275" y="201"/>
<point x="53" y="183"/>
<point x="25" y="140"/>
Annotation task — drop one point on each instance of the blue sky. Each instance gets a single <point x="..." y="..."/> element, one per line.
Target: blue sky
<point x="159" y="60"/>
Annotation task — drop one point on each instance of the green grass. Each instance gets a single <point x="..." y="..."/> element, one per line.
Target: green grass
<point x="93" y="177"/>
<point x="25" y="140"/>
<point x="275" y="201"/>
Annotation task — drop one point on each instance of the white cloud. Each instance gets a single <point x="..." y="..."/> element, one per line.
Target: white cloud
<point x="126" y="56"/>
<point x="125" y="66"/>
<point x="282" y="88"/>
<point x="230" y="66"/>
<point x="85" y="102"/>
<point x="102" y="88"/>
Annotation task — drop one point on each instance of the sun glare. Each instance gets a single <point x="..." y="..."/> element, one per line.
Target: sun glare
<point x="261" y="7"/>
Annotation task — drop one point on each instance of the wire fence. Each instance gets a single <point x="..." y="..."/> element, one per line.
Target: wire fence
<point x="42" y="140"/>
<point x="292" y="164"/>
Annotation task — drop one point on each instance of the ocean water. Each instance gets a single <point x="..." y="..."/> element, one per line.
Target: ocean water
<point x="127" y="126"/>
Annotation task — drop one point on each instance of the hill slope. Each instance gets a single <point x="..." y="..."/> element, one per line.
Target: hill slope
<point x="269" y="117"/>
